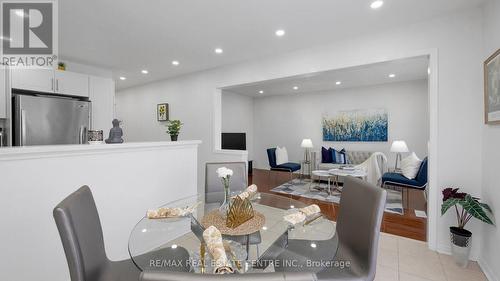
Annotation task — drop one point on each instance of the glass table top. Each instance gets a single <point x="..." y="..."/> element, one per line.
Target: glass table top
<point x="173" y="244"/>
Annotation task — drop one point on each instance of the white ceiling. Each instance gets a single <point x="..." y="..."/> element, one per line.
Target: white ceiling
<point x="127" y="36"/>
<point x="362" y="76"/>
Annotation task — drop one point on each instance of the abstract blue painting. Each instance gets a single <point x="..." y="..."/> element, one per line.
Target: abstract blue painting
<point x="357" y="126"/>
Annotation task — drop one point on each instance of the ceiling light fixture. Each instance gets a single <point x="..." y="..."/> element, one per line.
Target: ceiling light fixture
<point x="377" y="4"/>
<point x="295" y="88"/>
<point x="144" y="71"/>
<point x="392" y="75"/>
<point x="338" y="83"/>
<point x="219" y="51"/>
<point x="280" y="32"/>
<point x="176" y="63"/>
<point x="123" y="78"/>
<point x="261" y="92"/>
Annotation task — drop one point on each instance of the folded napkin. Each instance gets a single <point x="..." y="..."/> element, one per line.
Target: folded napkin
<point x="249" y="192"/>
<point x="163" y="213"/>
<point x="302" y="214"/>
<point x="213" y="239"/>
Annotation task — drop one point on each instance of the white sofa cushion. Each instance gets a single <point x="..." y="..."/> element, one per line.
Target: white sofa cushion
<point x="281" y="155"/>
<point x="410" y="166"/>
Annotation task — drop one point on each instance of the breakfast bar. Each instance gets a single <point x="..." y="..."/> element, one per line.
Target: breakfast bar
<point x="126" y="180"/>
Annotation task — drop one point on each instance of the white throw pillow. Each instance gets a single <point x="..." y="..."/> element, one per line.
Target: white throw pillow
<point x="410" y="166"/>
<point x="281" y="155"/>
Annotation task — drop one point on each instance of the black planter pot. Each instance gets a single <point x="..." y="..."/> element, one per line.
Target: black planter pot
<point x="460" y="245"/>
<point x="173" y="137"/>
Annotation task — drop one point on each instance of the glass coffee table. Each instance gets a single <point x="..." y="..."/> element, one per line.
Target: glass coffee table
<point x="174" y="244"/>
<point x="346" y="172"/>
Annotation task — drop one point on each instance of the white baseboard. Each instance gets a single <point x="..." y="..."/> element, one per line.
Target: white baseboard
<point x="490" y="275"/>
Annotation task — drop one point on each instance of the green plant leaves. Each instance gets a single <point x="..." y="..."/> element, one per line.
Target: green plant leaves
<point x="448" y="204"/>
<point x="474" y="208"/>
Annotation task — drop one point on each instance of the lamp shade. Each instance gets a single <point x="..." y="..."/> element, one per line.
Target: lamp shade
<point x="399" y="146"/>
<point x="306" y="143"/>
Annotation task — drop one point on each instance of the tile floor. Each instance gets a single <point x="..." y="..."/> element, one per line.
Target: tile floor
<point x="403" y="259"/>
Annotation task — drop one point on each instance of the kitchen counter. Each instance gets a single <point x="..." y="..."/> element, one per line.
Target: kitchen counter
<point x="44" y="151"/>
<point x="125" y="179"/>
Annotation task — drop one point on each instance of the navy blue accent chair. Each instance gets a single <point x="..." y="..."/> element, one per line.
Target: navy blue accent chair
<point x="398" y="180"/>
<point x="289" y="167"/>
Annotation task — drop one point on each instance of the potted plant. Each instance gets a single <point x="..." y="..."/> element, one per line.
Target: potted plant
<point x="173" y="128"/>
<point x="61" y="66"/>
<point x="466" y="207"/>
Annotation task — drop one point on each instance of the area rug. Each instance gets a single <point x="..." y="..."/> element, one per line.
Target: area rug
<point x="394" y="202"/>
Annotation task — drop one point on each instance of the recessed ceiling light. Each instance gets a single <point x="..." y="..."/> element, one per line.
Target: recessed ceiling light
<point x="392" y="75"/>
<point x="280" y="32"/>
<point x="295" y="88"/>
<point x="261" y="92"/>
<point x="174" y="246"/>
<point x="144" y="71"/>
<point x="175" y="63"/>
<point x="313" y="245"/>
<point x="123" y="78"/>
<point x="338" y="82"/>
<point x="376" y="4"/>
<point x="264" y="228"/>
<point x="219" y="51"/>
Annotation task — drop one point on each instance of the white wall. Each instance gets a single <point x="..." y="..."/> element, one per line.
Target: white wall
<point x="237" y="117"/>
<point x="491" y="153"/>
<point x="287" y="119"/>
<point x="455" y="38"/>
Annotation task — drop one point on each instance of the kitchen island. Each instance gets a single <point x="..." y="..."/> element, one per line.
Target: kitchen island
<point x="126" y="180"/>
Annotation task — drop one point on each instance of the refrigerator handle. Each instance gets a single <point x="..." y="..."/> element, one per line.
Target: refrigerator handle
<point x="23" y="128"/>
<point x="83" y="135"/>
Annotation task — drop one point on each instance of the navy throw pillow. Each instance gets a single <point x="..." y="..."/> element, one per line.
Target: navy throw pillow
<point x="338" y="157"/>
<point x="326" y="155"/>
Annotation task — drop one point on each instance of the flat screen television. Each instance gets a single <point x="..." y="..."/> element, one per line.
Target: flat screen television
<point x="234" y="141"/>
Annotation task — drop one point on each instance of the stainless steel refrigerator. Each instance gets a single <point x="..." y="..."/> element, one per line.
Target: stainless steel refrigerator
<point x="48" y="120"/>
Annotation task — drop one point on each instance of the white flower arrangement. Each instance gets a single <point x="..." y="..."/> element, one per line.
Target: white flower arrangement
<point x="224" y="173"/>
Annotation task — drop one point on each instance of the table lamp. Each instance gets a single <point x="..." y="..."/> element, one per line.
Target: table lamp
<point x="398" y="146"/>
<point x="307" y="144"/>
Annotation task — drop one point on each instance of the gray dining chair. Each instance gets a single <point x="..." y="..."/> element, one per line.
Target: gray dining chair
<point x="80" y="229"/>
<point x="358" y="228"/>
<point x="214" y="193"/>
<point x="174" y="276"/>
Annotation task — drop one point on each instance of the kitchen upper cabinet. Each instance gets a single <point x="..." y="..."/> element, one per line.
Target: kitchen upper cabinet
<point x="40" y="80"/>
<point x="71" y="83"/>
<point x="50" y="81"/>
<point x="3" y="92"/>
<point x="102" y="96"/>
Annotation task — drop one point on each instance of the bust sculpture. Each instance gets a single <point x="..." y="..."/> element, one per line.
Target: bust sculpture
<point x="116" y="133"/>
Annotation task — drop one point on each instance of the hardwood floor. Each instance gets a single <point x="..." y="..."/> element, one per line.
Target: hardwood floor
<point x="407" y="225"/>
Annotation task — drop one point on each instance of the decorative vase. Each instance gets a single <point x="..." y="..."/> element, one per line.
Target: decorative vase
<point x="224" y="207"/>
<point x="173" y="137"/>
<point x="460" y="245"/>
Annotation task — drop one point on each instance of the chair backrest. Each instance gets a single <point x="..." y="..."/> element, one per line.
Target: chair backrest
<point x="239" y="180"/>
<point x="273" y="276"/>
<point x="422" y="173"/>
<point x="358" y="224"/>
<point x="271" y="157"/>
<point x="81" y="233"/>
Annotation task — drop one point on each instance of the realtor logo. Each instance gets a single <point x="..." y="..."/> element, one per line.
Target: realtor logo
<point x="28" y="34"/>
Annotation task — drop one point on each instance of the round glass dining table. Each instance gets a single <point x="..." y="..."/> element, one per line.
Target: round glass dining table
<point x="175" y="244"/>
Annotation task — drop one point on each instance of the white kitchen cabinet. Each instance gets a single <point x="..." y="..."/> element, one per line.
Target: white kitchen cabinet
<point x="3" y="92"/>
<point x="40" y="80"/>
<point x="71" y="83"/>
<point x="102" y="96"/>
